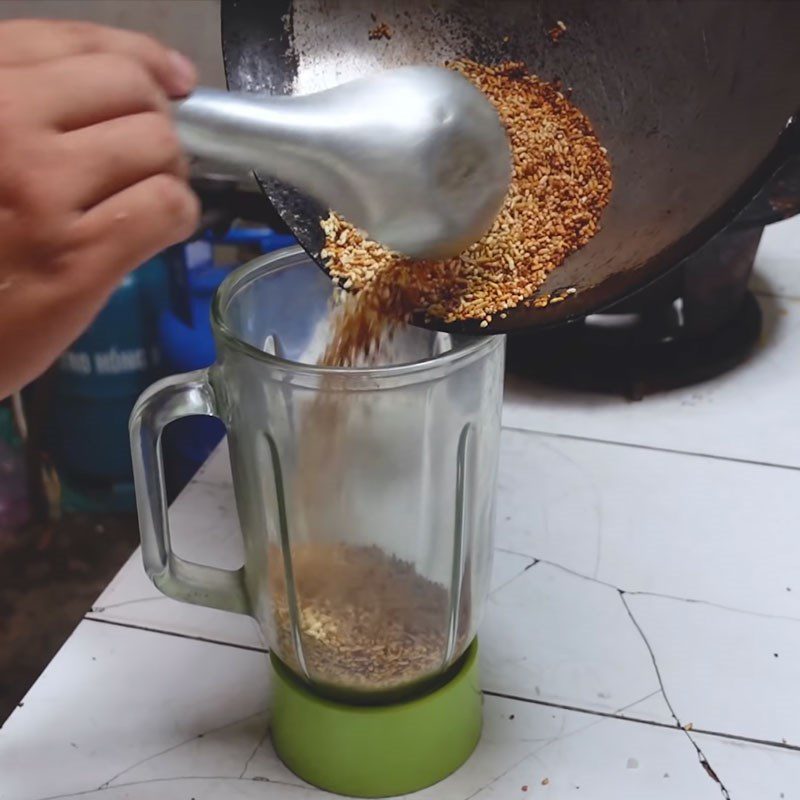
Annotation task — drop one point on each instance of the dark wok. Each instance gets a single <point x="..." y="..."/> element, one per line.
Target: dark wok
<point x="696" y="101"/>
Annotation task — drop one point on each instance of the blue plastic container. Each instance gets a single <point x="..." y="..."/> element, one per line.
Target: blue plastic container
<point x="187" y="343"/>
<point x="97" y="382"/>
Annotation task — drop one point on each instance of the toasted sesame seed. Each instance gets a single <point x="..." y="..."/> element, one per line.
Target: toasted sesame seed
<point x="560" y="185"/>
<point x="384" y="632"/>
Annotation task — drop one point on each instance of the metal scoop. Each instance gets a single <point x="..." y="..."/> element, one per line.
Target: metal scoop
<point x="415" y="156"/>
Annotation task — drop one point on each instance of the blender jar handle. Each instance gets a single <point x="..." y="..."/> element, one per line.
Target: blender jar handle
<point x="165" y="401"/>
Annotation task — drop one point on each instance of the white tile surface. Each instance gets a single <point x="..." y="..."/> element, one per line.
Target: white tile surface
<point x="217" y="469"/>
<point x="204" y="528"/>
<point x="138" y="715"/>
<point x="753" y="771"/>
<point x="618" y="517"/>
<point x="725" y="671"/>
<point x="553" y="751"/>
<point x="551" y="636"/>
<point x="642" y="520"/>
<point x="748" y="413"/>
<point x="186" y="787"/>
<point x="603" y="759"/>
<point x="114" y="698"/>
<point x="506" y="568"/>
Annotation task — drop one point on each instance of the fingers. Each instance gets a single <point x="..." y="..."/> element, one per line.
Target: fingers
<point x="106" y="158"/>
<point x="131" y="227"/>
<point x="92" y="179"/>
<point x="30" y="42"/>
<point x="85" y="90"/>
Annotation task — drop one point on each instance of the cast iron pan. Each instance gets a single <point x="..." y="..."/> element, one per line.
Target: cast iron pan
<point x="696" y="101"/>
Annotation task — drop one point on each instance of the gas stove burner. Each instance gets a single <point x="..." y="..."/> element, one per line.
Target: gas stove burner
<point x="698" y="322"/>
<point x="615" y="354"/>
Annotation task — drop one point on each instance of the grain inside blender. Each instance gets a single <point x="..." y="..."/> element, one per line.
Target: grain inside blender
<point x="367" y="619"/>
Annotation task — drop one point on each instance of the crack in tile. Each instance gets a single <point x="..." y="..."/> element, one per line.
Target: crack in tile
<point x="709" y="770"/>
<point x="596" y="502"/>
<point x="102" y="789"/>
<point x="700" y="754"/>
<point x="108" y="784"/>
<point x="544" y="743"/>
<point x="149" y="599"/>
<point x="712" y="604"/>
<point x="599" y="552"/>
<point x="645" y="593"/>
<point x="500" y="776"/>
<point x="202" y="480"/>
<point x="532" y="562"/>
<point x="255" y="750"/>
<point x="616" y="714"/>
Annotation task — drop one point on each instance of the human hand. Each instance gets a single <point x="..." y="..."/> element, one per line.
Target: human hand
<point x="92" y="178"/>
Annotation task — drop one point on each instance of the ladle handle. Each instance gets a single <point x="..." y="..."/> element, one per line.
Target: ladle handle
<point x="168" y="400"/>
<point x="222" y="126"/>
<point x="277" y="136"/>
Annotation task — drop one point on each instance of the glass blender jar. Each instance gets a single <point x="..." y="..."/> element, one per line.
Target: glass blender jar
<point x="366" y="501"/>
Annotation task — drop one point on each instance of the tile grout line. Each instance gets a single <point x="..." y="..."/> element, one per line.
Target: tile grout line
<point x="252" y="648"/>
<point x="639" y="720"/>
<point x="652" y="448"/>
<point x="226" y="482"/>
<point x="488" y="692"/>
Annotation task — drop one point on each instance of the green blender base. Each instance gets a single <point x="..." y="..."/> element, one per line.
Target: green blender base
<point x="377" y="751"/>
